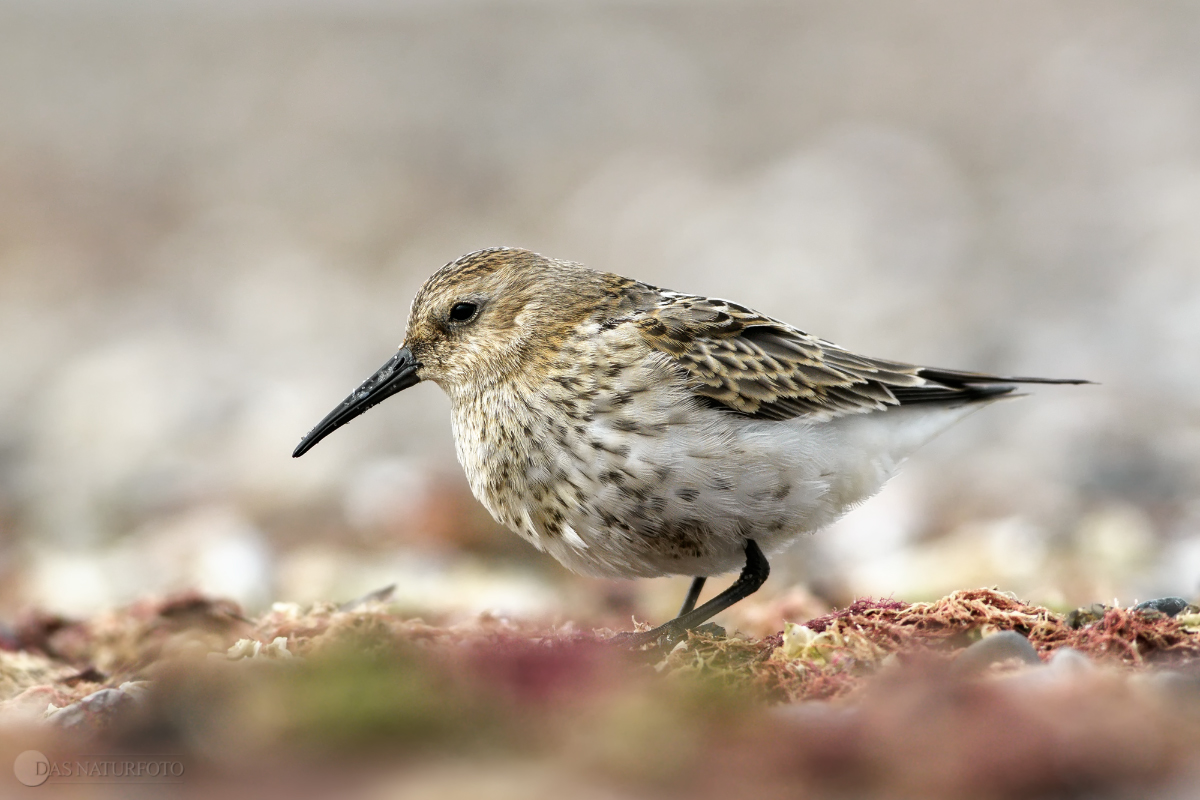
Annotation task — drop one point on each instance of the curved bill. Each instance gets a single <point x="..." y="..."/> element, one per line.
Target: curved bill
<point x="399" y="373"/>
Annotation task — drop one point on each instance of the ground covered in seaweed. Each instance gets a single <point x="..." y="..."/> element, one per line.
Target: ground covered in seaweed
<point x="976" y="695"/>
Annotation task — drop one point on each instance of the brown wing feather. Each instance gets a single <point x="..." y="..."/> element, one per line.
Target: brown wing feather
<point x="741" y="360"/>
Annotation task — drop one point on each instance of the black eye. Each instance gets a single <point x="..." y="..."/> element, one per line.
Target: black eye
<point x="463" y="312"/>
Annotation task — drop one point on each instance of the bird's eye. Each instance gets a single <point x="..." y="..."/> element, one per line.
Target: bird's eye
<point x="462" y="312"/>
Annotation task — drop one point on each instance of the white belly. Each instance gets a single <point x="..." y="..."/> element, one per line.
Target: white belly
<point x="732" y="479"/>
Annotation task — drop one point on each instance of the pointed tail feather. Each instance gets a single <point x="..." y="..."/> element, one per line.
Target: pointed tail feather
<point x="958" y="379"/>
<point x="952" y="387"/>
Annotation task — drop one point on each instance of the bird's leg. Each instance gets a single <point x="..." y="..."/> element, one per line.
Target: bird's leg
<point x="753" y="575"/>
<point x="693" y="595"/>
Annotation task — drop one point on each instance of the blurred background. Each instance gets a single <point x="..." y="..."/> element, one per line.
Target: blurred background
<point x="214" y="215"/>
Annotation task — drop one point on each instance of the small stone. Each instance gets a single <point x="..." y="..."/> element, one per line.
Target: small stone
<point x="1069" y="661"/>
<point x="1171" y="606"/>
<point x="995" y="648"/>
<point x="1085" y="615"/>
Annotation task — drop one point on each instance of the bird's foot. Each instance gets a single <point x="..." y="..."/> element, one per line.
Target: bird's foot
<point x="712" y="629"/>
<point x="664" y="636"/>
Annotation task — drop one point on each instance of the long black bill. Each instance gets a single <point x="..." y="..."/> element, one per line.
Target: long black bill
<point x="399" y="373"/>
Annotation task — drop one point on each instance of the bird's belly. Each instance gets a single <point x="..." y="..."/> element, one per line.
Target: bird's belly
<point x="679" y="491"/>
<point x="670" y="493"/>
<point x="685" y="502"/>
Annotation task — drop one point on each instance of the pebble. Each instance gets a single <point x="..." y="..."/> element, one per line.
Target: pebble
<point x="994" y="649"/>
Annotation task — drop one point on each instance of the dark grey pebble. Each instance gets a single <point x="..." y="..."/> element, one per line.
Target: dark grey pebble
<point x="1164" y="605"/>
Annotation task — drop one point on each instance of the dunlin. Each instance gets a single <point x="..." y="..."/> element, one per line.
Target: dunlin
<point x="631" y="431"/>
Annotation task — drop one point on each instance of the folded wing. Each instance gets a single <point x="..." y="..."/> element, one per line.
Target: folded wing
<point x="754" y="365"/>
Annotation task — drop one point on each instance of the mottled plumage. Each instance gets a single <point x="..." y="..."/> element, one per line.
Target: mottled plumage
<point x="631" y="431"/>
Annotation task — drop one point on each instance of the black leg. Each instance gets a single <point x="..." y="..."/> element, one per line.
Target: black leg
<point x="753" y="575"/>
<point x="693" y="595"/>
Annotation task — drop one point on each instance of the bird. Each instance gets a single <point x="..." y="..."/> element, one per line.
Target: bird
<point x="632" y="432"/>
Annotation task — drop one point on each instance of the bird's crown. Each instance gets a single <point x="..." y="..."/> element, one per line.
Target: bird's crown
<point x="497" y="311"/>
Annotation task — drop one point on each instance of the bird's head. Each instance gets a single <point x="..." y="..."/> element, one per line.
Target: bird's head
<point x="491" y="316"/>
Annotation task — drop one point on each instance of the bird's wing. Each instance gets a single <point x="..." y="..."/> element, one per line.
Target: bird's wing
<point x="754" y="365"/>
